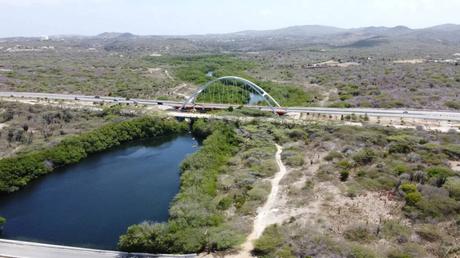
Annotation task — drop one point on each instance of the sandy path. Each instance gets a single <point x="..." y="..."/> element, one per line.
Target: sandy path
<point x="265" y="214"/>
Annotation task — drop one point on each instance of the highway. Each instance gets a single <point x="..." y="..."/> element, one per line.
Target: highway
<point x="371" y="112"/>
<point x="13" y="248"/>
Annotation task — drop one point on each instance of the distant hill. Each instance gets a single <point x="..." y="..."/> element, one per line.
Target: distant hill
<point x="306" y="30"/>
<point x="259" y="40"/>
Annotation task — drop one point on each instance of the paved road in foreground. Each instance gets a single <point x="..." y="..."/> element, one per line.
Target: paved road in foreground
<point x="12" y="248"/>
<point x="374" y="112"/>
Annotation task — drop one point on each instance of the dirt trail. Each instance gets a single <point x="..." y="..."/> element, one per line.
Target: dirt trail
<point x="265" y="214"/>
<point x="327" y="96"/>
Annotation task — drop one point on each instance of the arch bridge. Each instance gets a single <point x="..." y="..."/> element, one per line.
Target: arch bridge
<point x="232" y="90"/>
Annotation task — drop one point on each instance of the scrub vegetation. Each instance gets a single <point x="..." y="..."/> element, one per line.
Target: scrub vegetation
<point x="25" y="128"/>
<point x="220" y="186"/>
<point x="373" y="185"/>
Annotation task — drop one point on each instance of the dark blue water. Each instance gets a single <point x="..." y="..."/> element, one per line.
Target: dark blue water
<point x="92" y="203"/>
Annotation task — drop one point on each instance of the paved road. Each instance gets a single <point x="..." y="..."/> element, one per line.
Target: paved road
<point x="12" y="248"/>
<point x="374" y="112"/>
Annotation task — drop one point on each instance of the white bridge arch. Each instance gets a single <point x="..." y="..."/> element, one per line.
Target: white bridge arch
<point x="271" y="102"/>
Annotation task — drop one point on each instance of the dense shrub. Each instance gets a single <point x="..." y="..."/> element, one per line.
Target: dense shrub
<point x="408" y="188"/>
<point x="453" y="104"/>
<point x="196" y="222"/>
<point x="437" y="207"/>
<point x="333" y="155"/>
<point x="394" y="230"/>
<point x="293" y="156"/>
<point x="413" y="197"/>
<point x="365" y="156"/>
<point x="453" y="186"/>
<point x="358" y="233"/>
<point x="441" y="172"/>
<point x="453" y="150"/>
<point x="428" y="232"/>
<point x="344" y="175"/>
<point x="270" y="241"/>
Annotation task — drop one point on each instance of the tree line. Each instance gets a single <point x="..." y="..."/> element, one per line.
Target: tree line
<point x="18" y="171"/>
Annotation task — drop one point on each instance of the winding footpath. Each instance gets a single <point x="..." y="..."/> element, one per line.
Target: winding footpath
<point x="264" y="216"/>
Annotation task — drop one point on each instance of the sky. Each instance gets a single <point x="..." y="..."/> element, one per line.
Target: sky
<point x="183" y="17"/>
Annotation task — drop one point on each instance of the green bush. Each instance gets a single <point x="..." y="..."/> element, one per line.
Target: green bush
<point x="2" y="221"/>
<point x="270" y="241"/>
<point x="439" y="174"/>
<point x="400" y="147"/>
<point x="293" y="156"/>
<point x="365" y="156"/>
<point x="394" y="230"/>
<point x="344" y="175"/>
<point x="401" y="168"/>
<point x="453" y="186"/>
<point x="453" y="104"/>
<point x="437" y="207"/>
<point x="399" y="254"/>
<point x="344" y="164"/>
<point x="413" y="197"/>
<point x="358" y="251"/>
<point x="408" y="188"/>
<point x="359" y="233"/>
<point x="452" y="150"/>
<point x="429" y="233"/>
<point x="333" y="155"/>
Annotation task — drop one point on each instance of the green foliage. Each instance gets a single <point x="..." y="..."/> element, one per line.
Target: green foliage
<point x="344" y="164"/>
<point x="408" y="188"/>
<point x="413" y="197"/>
<point x="270" y="241"/>
<point x="194" y="68"/>
<point x="453" y="186"/>
<point x="358" y="233"/>
<point x="365" y="156"/>
<point x="452" y="150"/>
<point x="358" y="251"/>
<point x="401" y="168"/>
<point x="428" y="232"/>
<point x="394" y="230"/>
<point x="333" y="155"/>
<point x="288" y="95"/>
<point x="439" y="171"/>
<point x="399" y="254"/>
<point x="437" y="206"/>
<point x="2" y="221"/>
<point x="341" y="104"/>
<point x="202" y="128"/>
<point x="293" y="156"/>
<point x="453" y="104"/>
<point x="222" y="92"/>
<point x="344" y="175"/>
<point x="17" y="171"/>
<point x="196" y="222"/>
<point x="402" y="143"/>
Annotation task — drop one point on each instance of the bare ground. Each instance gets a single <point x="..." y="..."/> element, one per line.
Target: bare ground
<point x="267" y="214"/>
